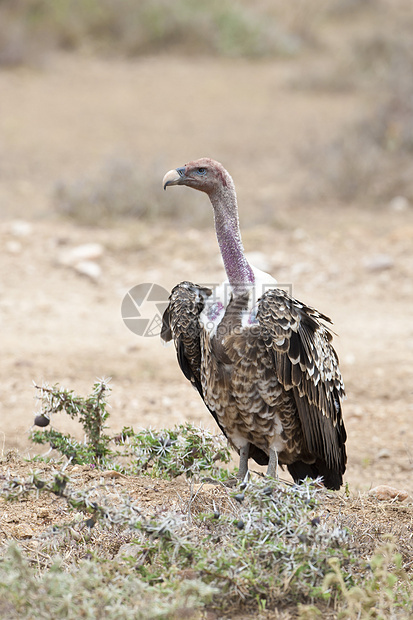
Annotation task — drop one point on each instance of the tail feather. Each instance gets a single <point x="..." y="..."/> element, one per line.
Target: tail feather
<point x="332" y="478"/>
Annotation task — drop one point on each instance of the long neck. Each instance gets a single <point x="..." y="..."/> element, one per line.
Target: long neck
<point x="239" y="272"/>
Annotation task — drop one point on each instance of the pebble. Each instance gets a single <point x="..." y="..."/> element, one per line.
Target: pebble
<point x="82" y="258"/>
<point x="81" y="253"/>
<point x="384" y="492"/>
<point x="299" y="234"/>
<point x="378" y="262"/>
<point x="89" y="269"/>
<point x="43" y="513"/>
<point x="14" y="247"/>
<point x="21" y="530"/>
<point x="112" y="473"/>
<point x="205" y="487"/>
<point x="384" y="453"/>
<point x="20" y="228"/>
<point x="128" y="550"/>
<point x="355" y="411"/>
<point x="399" y="204"/>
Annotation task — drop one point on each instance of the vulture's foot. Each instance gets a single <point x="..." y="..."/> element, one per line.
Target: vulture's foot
<point x="243" y="462"/>
<point x="272" y="471"/>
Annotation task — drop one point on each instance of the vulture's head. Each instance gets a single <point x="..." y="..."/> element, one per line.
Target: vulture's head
<point x="204" y="174"/>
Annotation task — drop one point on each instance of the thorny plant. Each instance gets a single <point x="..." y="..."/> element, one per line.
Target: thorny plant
<point x="92" y="413"/>
<point x="385" y="593"/>
<point x="91" y="590"/>
<point x="269" y="546"/>
<point x="263" y="545"/>
<point x="166" y="453"/>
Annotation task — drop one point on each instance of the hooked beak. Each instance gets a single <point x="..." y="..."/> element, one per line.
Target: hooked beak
<point x="174" y="177"/>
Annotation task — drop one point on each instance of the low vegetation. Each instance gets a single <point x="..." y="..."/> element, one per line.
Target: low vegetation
<point x="129" y="28"/>
<point x="163" y="454"/>
<point x="123" y="189"/>
<point x="370" y="161"/>
<point x="261" y="546"/>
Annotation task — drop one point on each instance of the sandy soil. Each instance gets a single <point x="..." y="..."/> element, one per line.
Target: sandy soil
<point x="63" y="119"/>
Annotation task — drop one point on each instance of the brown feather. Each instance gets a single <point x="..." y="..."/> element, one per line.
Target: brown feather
<point x="317" y="384"/>
<point x="267" y="372"/>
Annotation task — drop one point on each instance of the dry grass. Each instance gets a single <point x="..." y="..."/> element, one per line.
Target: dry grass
<point x="29" y="28"/>
<point x="136" y="548"/>
<point x="371" y="159"/>
<point x="221" y="27"/>
<point x="128" y="547"/>
<point x="123" y="189"/>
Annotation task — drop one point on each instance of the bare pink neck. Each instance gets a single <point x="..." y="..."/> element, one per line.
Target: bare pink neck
<point x="239" y="272"/>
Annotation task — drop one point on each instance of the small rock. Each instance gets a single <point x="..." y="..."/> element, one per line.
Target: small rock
<point x="89" y="269"/>
<point x="128" y="550"/>
<point x="14" y="247"/>
<point x="21" y="530"/>
<point x="20" y="228"/>
<point x="384" y="453"/>
<point x="205" y="487"/>
<point x="299" y="234"/>
<point x="384" y="492"/>
<point x="112" y="473"/>
<point x="355" y="411"/>
<point x="81" y="253"/>
<point x="43" y="513"/>
<point x="399" y="204"/>
<point x="378" y="262"/>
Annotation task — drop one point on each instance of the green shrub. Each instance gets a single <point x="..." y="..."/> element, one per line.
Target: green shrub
<point x="131" y="28"/>
<point x="169" y="453"/>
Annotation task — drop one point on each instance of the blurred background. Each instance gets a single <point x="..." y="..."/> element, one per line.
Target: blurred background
<point x="308" y="104"/>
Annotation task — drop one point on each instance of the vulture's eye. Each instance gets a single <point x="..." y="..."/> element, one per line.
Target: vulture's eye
<point x="201" y="171"/>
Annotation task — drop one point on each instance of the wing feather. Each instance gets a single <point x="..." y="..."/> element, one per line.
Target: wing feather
<point x="306" y="363"/>
<point x="181" y="323"/>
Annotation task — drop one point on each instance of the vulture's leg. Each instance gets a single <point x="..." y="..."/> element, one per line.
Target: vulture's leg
<point x="243" y="461"/>
<point x="272" y="464"/>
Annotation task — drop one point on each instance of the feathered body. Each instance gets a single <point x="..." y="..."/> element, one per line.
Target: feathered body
<point x="262" y="361"/>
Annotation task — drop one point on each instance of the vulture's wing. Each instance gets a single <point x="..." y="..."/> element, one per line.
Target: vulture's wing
<point x="306" y="363"/>
<point x="181" y="323"/>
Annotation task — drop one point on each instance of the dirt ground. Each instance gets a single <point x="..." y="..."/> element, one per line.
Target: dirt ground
<point x="354" y="263"/>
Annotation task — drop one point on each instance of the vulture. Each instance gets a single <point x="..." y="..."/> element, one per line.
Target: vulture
<point x="262" y="361"/>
